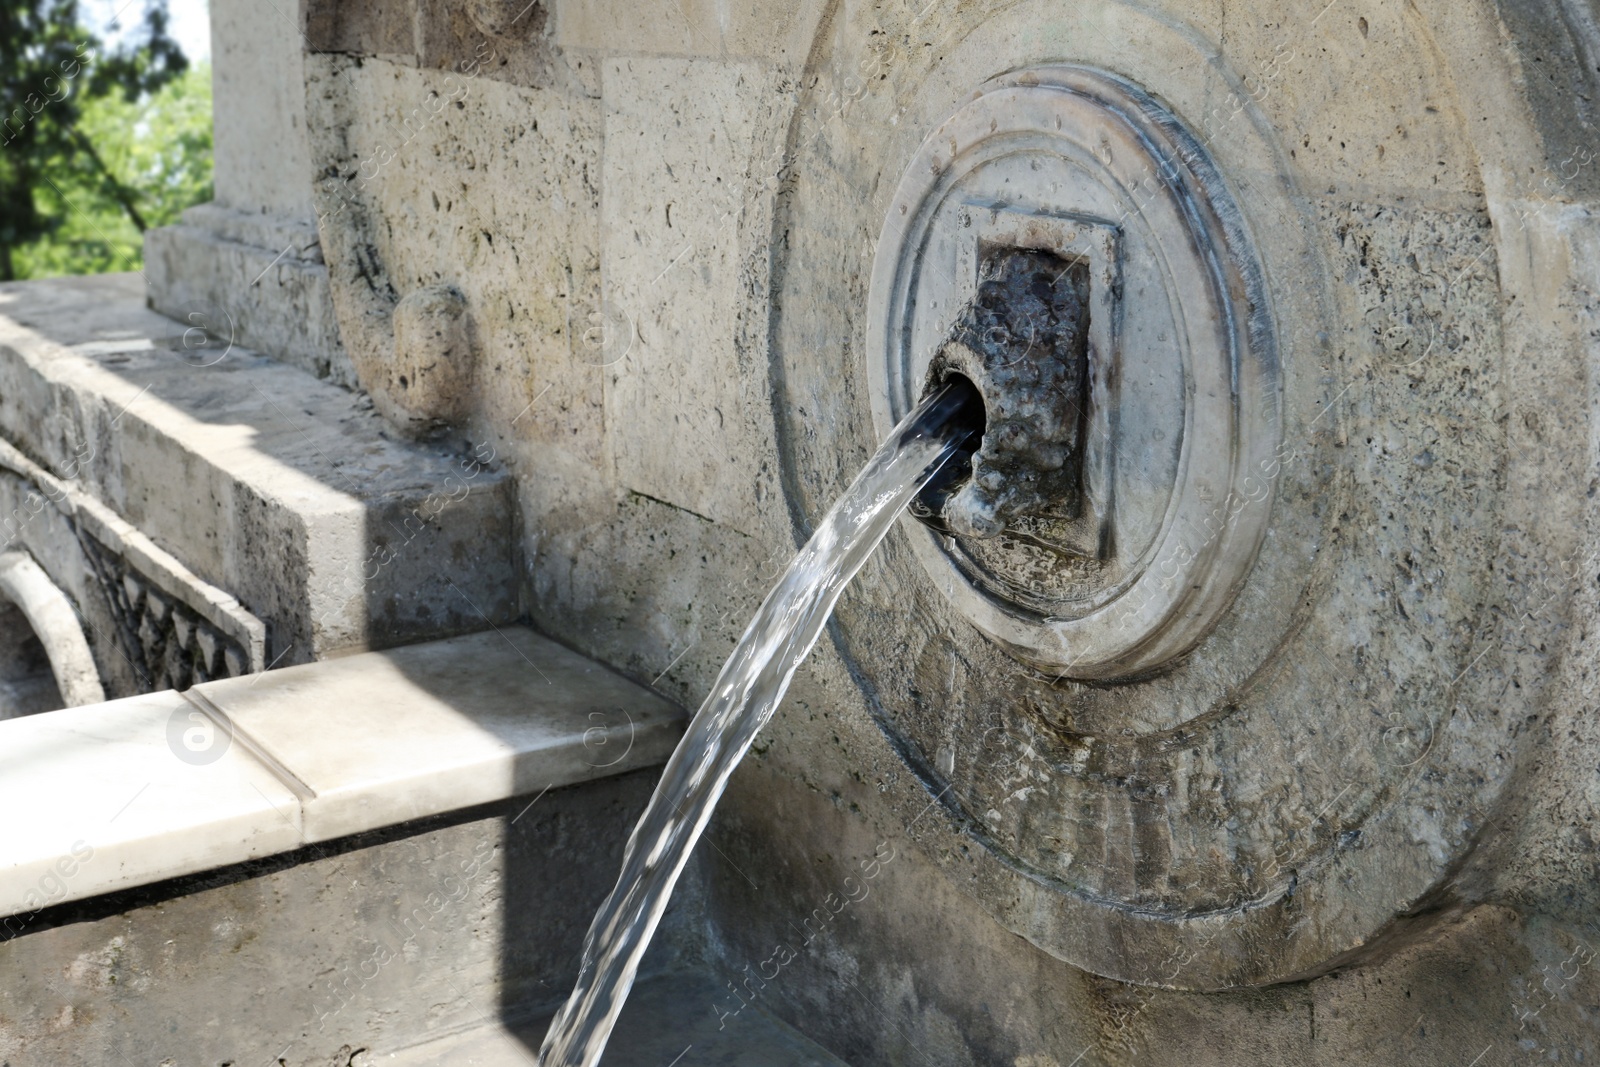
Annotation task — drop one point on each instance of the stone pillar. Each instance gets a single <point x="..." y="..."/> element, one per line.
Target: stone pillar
<point x="248" y="266"/>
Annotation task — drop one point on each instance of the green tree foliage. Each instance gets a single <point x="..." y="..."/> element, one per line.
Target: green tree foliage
<point x="95" y="144"/>
<point x="159" y="150"/>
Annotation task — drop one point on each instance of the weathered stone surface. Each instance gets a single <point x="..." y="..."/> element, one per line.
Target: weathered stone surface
<point x="771" y="31"/>
<point x="381" y="28"/>
<point x="1023" y="343"/>
<point x="511" y="19"/>
<point x="263" y="162"/>
<point x="504" y="40"/>
<point x="444" y="725"/>
<point x="524" y="235"/>
<point x="681" y="168"/>
<point x="664" y="1019"/>
<point x="1275" y="777"/>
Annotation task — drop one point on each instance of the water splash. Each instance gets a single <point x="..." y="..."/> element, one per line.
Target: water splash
<point x="741" y="702"/>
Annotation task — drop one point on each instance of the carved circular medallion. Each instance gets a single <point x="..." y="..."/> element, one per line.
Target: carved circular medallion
<point x="1300" y="742"/>
<point x="1181" y="401"/>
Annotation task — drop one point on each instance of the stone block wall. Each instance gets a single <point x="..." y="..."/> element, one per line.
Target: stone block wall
<point x="660" y="219"/>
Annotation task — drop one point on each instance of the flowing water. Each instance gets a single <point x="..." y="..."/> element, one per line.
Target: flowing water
<point x="743" y="699"/>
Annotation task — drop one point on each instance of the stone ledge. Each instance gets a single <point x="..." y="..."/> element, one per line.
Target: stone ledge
<point x="136" y="791"/>
<point x="284" y="491"/>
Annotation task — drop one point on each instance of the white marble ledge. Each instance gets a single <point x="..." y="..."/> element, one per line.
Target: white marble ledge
<point x="131" y="792"/>
<point x="94" y="800"/>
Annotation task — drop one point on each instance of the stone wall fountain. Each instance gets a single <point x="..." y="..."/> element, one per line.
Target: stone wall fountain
<point x="1230" y="703"/>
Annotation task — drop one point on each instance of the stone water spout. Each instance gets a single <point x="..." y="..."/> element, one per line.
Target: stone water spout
<point x="1023" y="344"/>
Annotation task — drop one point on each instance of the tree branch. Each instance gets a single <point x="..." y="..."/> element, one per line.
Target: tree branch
<point x="120" y="192"/>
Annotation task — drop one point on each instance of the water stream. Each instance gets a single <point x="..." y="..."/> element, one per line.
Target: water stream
<point x="741" y="702"/>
